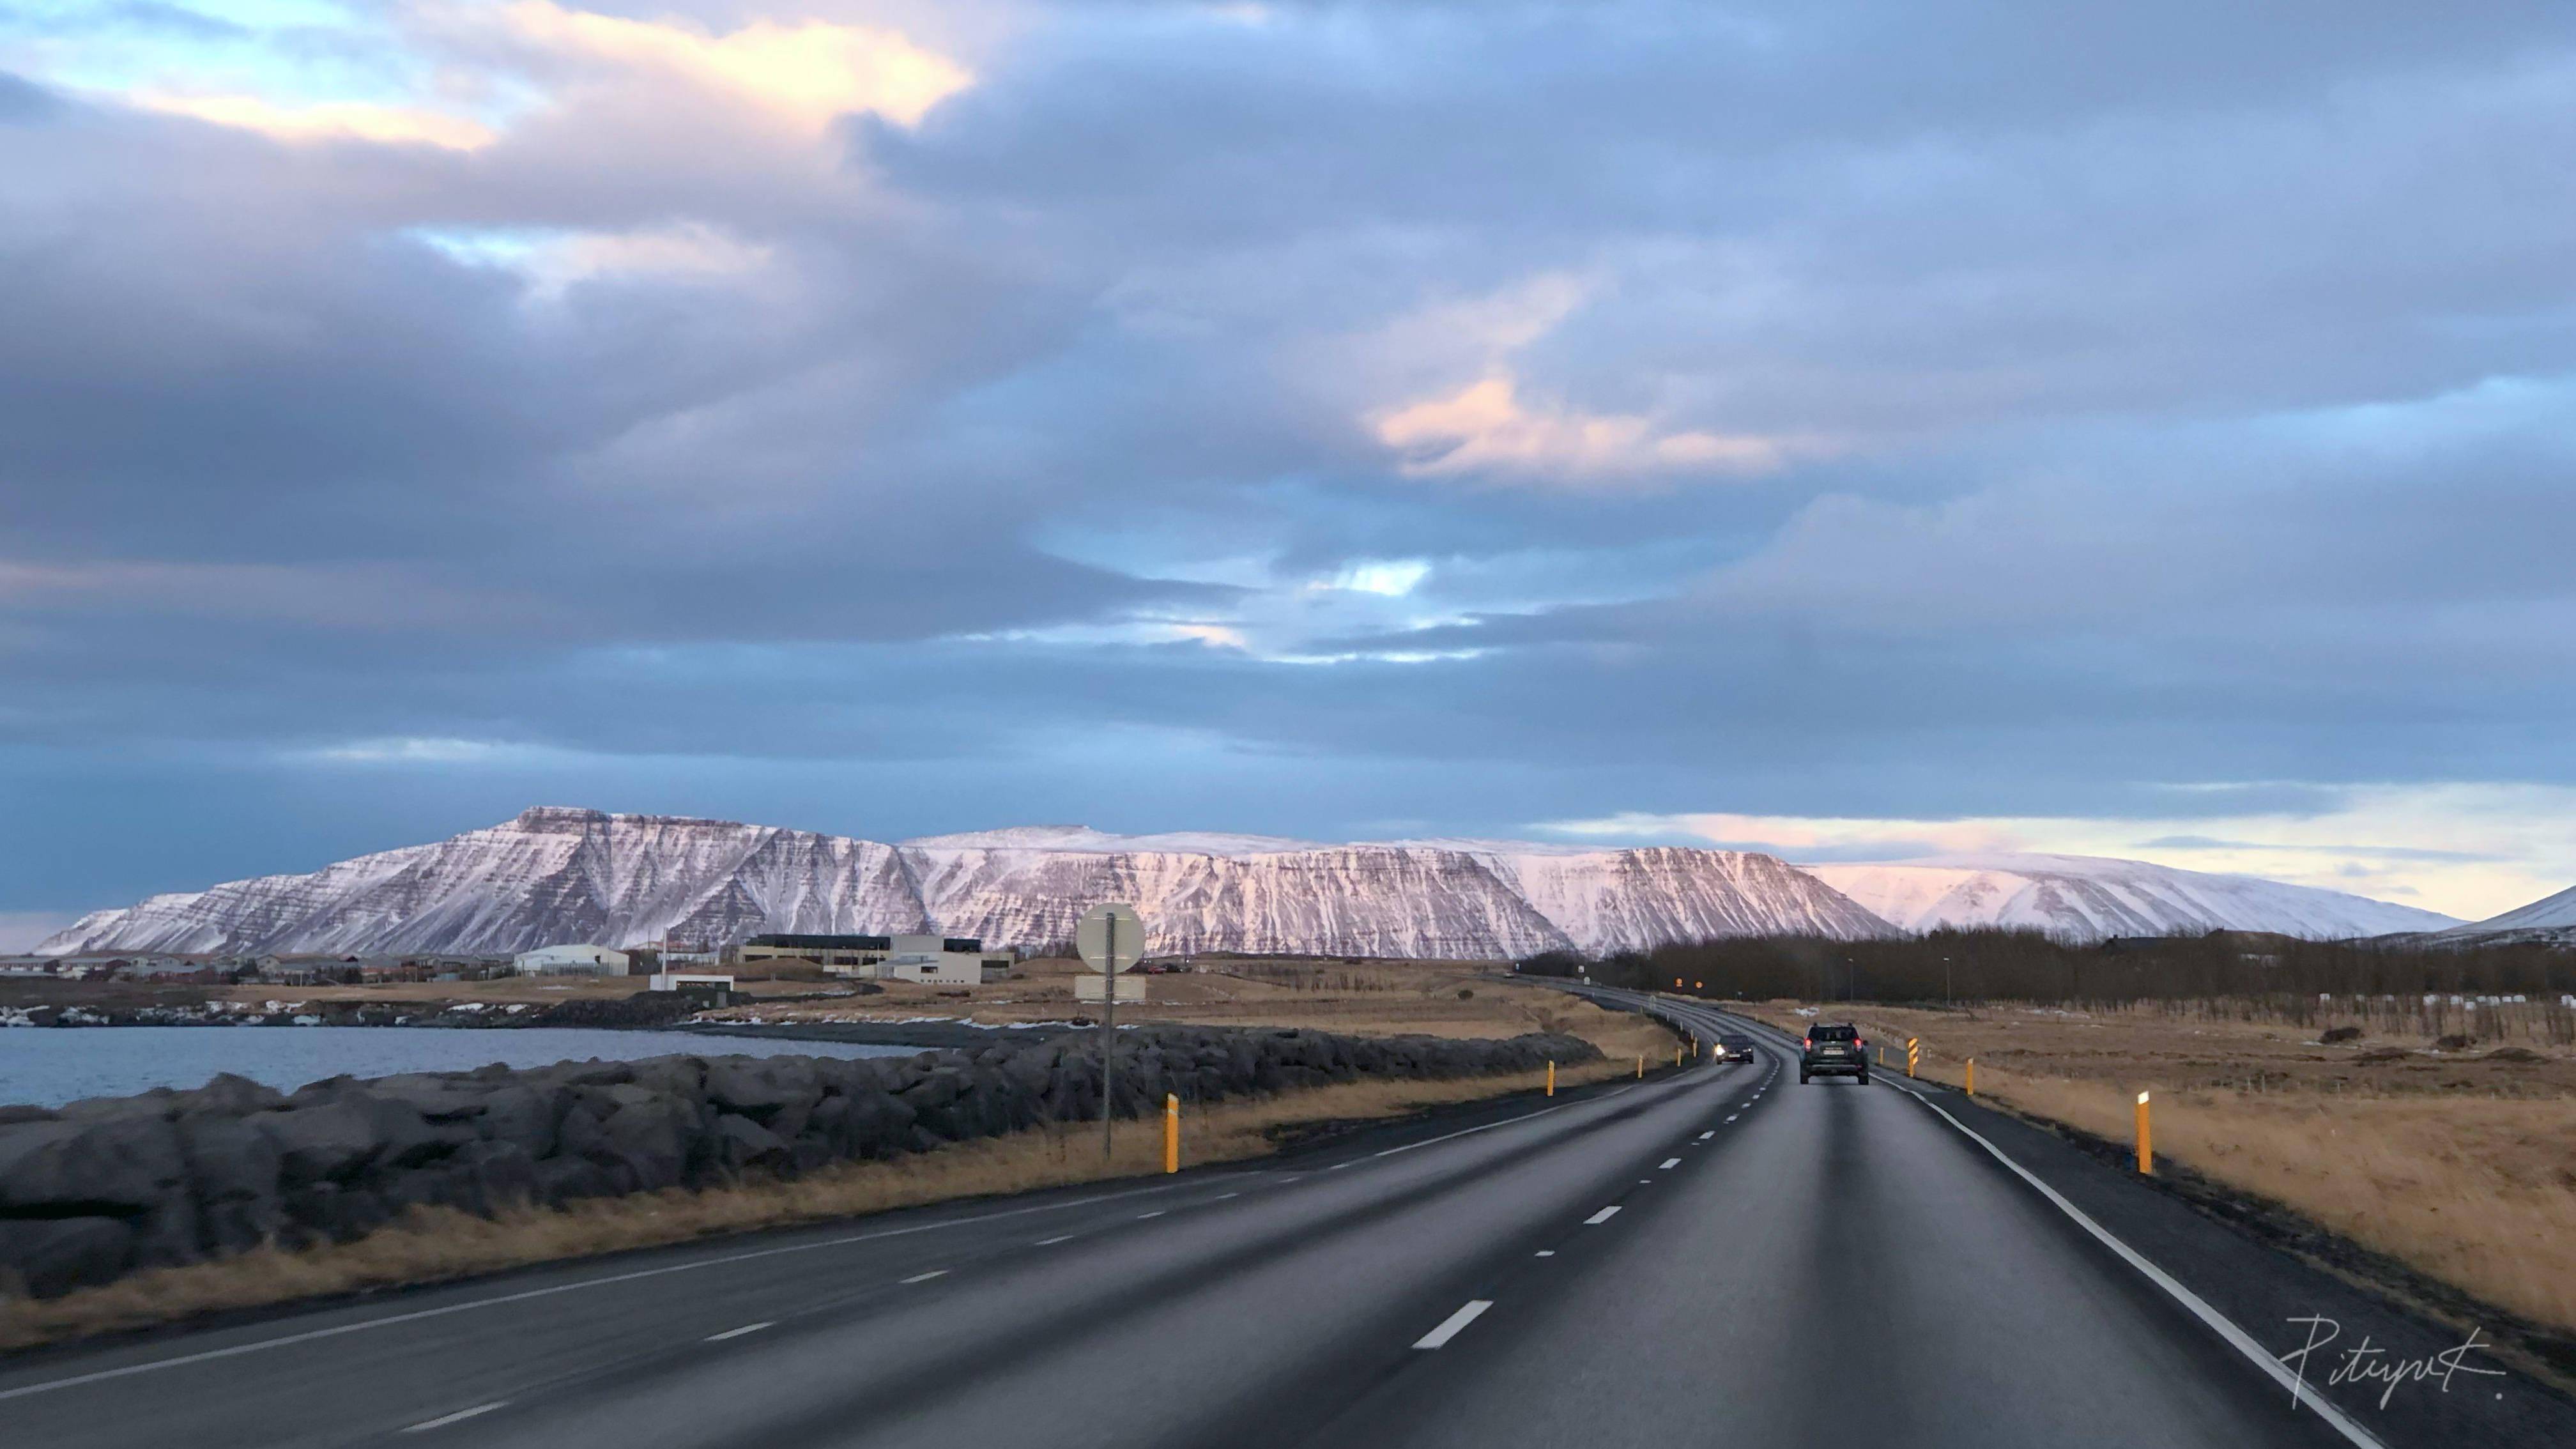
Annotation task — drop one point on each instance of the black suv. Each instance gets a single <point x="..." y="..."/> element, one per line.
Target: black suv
<point x="1833" y="1049"/>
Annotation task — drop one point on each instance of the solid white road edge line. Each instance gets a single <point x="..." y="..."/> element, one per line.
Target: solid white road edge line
<point x="2198" y="1306"/>
<point x="1051" y="1242"/>
<point x="1603" y="1216"/>
<point x="389" y="1320"/>
<point x="444" y="1420"/>
<point x="738" y="1332"/>
<point x="1449" y="1326"/>
<point x="926" y="1277"/>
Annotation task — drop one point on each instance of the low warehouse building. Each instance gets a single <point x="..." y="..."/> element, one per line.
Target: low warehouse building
<point x="570" y="961"/>
<point x="938" y="960"/>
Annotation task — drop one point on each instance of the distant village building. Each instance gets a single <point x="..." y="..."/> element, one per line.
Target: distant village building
<point x="570" y="961"/>
<point x="305" y="969"/>
<point x="937" y="960"/>
<point x="691" y="981"/>
<point x="832" y="953"/>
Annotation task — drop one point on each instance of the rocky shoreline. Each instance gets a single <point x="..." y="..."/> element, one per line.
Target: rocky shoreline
<point x="652" y="1010"/>
<point x="645" y="1011"/>
<point x="110" y="1186"/>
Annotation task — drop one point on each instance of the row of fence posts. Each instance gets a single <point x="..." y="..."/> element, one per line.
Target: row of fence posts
<point x="2146" y="1132"/>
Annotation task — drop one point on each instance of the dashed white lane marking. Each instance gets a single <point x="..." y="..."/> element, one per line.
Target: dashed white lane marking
<point x="926" y="1277"/>
<point x="444" y="1420"/>
<point x="737" y="1332"/>
<point x="1156" y="1213"/>
<point x="1603" y="1216"/>
<point x="1711" y="1132"/>
<point x="1051" y="1242"/>
<point x="1669" y="1164"/>
<point x="1547" y="1252"/>
<point x="1450" y="1326"/>
<point x="1336" y="1167"/>
<point x="1220" y="1197"/>
<point x="1730" y="1119"/>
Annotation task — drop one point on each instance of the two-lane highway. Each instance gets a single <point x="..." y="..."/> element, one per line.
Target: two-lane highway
<point x="1710" y="1255"/>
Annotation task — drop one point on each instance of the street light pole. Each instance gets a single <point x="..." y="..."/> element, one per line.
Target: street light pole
<point x="1109" y="1047"/>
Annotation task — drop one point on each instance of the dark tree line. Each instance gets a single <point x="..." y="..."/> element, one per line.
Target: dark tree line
<point x="2028" y="966"/>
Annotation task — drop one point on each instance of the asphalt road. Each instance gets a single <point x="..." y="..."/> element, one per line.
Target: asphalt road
<point x="1717" y="1255"/>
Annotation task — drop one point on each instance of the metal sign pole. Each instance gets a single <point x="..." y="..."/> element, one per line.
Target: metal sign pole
<point x="1109" y="1046"/>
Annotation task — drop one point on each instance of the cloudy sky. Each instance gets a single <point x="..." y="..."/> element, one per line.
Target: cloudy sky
<point x="1855" y="427"/>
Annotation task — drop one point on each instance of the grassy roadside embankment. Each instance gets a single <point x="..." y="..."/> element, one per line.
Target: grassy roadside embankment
<point x="2458" y="1165"/>
<point x="437" y="1245"/>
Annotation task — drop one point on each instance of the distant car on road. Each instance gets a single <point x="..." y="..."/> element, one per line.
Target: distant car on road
<point x="1833" y="1049"/>
<point x="1734" y="1046"/>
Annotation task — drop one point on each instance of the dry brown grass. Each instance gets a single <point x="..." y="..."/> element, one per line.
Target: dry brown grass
<point x="1370" y="998"/>
<point x="2461" y="1167"/>
<point x="434" y="1245"/>
<point x="2478" y="1193"/>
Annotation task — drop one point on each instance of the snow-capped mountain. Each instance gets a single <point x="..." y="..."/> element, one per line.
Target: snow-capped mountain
<point x="564" y="875"/>
<point x="2087" y="898"/>
<point x="2550" y="920"/>
<point x="2544" y="914"/>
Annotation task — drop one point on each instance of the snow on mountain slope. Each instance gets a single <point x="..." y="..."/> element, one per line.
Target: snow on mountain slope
<point x="2549" y="912"/>
<point x="562" y="875"/>
<point x="2549" y="921"/>
<point x="1351" y="900"/>
<point x="551" y="875"/>
<point x="2082" y="897"/>
<point x="1627" y="900"/>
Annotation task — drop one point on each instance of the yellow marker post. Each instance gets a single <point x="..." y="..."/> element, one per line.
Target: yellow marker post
<point x="1677" y="1054"/>
<point x="1641" y="1066"/>
<point x="2146" y="1143"/>
<point x="1972" y="1076"/>
<point x="1171" y="1131"/>
<point x="1551" y="1076"/>
<point x="1913" y="1054"/>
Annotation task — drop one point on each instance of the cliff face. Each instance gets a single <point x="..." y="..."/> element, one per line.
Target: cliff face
<point x="561" y="875"/>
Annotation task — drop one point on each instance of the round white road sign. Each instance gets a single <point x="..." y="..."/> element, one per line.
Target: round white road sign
<point x="1093" y="938"/>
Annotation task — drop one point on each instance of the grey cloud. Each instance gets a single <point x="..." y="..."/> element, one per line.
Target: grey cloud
<point x="23" y="102"/>
<point x="2114" y="331"/>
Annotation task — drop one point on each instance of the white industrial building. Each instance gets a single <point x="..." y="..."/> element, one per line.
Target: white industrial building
<point x="688" y="981"/>
<point x="570" y="961"/>
<point x="936" y="960"/>
<point x="928" y="959"/>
